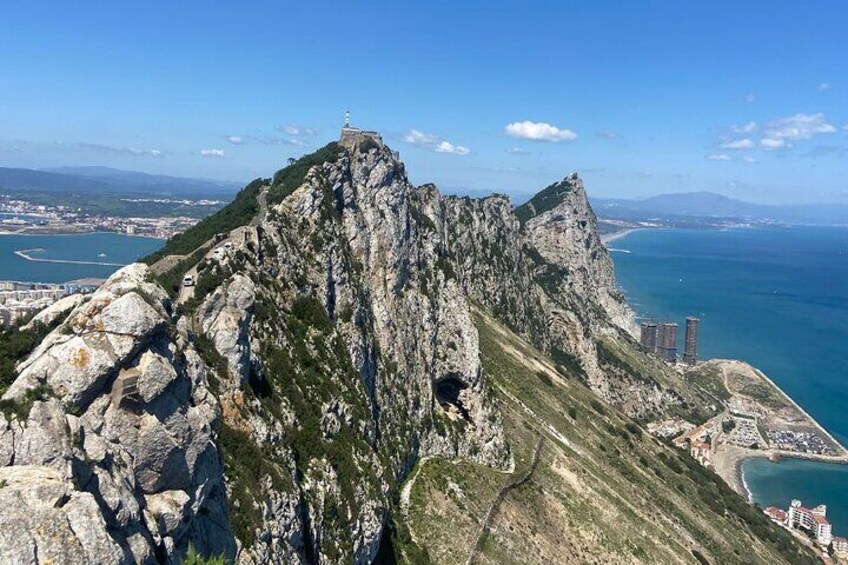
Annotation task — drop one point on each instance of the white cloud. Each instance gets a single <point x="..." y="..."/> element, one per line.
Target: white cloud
<point x="718" y="157"/>
<point x="609" y="134"/>
<point x="738" y="144"/>
<point x="520" y="151"/>
<point x="824" y="86"/>
<point x="799" y="126"/>
<point x="416" y="137"/>
<point x="298" y="130"/>
<point x="772" y="143"/>
<point x="747" y="127"/>
<point x="539" y="131"/>
<point x="212" y="152"/>
<point x="750" y="98"/>
<point x="783" y="131"/>
<point x="749" y="159"/>
<point x="447" y="147"/>
<point x="235" y="139"/>
<point x="434" y="143"/>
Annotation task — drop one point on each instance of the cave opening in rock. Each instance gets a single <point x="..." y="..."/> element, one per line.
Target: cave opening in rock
<point x="447" y="391"/>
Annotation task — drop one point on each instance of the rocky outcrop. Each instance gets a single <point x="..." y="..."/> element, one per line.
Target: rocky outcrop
<point x="58" y="309"/>
<point x="110" y="453"/>
<point x="225" y="316"/>
<point x="562" y="227"/>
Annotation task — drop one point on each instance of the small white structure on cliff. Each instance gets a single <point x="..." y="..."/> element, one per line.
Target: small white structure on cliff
<point x="352" y="136"/>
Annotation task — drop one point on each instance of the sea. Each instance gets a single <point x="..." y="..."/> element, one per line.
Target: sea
<point x="774" y="297"/>
<point x="112" y="248"/>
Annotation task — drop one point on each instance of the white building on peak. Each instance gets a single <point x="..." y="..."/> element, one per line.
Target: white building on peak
<point x="352" y="136"/>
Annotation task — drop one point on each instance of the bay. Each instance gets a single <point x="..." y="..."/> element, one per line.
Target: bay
<point x="114" y="248"/>
<point x="776" y="298"/>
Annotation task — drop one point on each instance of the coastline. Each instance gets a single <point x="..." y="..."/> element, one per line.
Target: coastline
<point x="68" y="233"/>
<point x="25" y="254"/>
<point x="608" y="238"/>
<point x="729" y="459"/>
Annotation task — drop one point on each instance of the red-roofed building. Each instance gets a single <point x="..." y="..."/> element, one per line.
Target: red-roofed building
<point x="702" y="452"/>
<point x="776" y="514"/>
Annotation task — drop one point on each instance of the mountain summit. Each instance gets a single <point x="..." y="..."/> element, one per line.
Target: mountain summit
<point x="363" y="371"/>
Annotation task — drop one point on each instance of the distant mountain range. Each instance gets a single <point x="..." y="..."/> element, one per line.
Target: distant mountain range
<point x="106" y="180"/>
<point x="712" y="205"/>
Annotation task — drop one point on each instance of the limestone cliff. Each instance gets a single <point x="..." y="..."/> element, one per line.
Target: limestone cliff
<point x="108" y="452"/>
<point x="271" y="412"/>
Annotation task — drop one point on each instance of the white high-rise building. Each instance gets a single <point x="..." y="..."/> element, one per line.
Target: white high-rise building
<point x="814" y="520"/>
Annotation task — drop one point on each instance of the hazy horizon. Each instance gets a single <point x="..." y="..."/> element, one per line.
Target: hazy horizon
<point x="642" y="100"/>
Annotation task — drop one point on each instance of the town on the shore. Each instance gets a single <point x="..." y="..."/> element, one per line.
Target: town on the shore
<point x="755" y="418"/>
<point x="18" y="216"/>
<point x="20" y="300"/>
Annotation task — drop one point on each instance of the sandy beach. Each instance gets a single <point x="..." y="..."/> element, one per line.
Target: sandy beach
<point x="608" y="238"/>
<point x="727" y="462"/>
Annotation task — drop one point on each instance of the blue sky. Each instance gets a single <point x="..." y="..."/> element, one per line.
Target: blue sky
<point x="749" y="99"/>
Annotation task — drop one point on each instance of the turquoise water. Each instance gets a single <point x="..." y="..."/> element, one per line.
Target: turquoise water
<point x="101" y="247"/>
<point x="777" y="298"/>
<point x="811" y="482"/>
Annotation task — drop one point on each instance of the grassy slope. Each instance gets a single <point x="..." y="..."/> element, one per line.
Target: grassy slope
<point x="603" y="492"/>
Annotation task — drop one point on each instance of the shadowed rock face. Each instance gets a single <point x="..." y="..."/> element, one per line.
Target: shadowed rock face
<point x="272" y="419"/>
<point x="448" y="394"/>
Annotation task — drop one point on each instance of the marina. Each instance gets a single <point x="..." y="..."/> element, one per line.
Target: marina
<point x="54" y="258"/>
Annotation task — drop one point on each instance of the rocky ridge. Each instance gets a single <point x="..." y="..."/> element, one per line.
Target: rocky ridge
<point x="271" y="414"/>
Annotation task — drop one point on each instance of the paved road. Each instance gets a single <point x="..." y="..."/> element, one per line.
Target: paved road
<point x="187" y="292"/>
<point x="263" y="206"/>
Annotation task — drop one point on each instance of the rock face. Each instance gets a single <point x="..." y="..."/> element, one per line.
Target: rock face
<point x="566" y="235"/>
<point x="272" y="418"/>
<point x="94" y="475"/>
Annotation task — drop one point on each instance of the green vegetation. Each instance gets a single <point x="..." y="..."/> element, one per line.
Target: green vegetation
<point x="709" y="378"/>
<point x="758" y="390"/>
<point x="194" y="558"/>
<point x="397" y="546"/>
<point x="214" y="361"/>
<point x="543" y="201"/>
<point x="172" y="280"/>
<point x="15" y="344"/>
<point x="210" y="275"/>
<point x="237" y="213"/>
<point x="569" y="363"/>
<point x="246" y="464"/>
<point x="288" y="179"/>
<point x="21" y="408"/>
<point x="310" y="311"/>
<point x="599" y="478"/>
<point x="545" y="378"/>
<point x="305" y="366"/>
